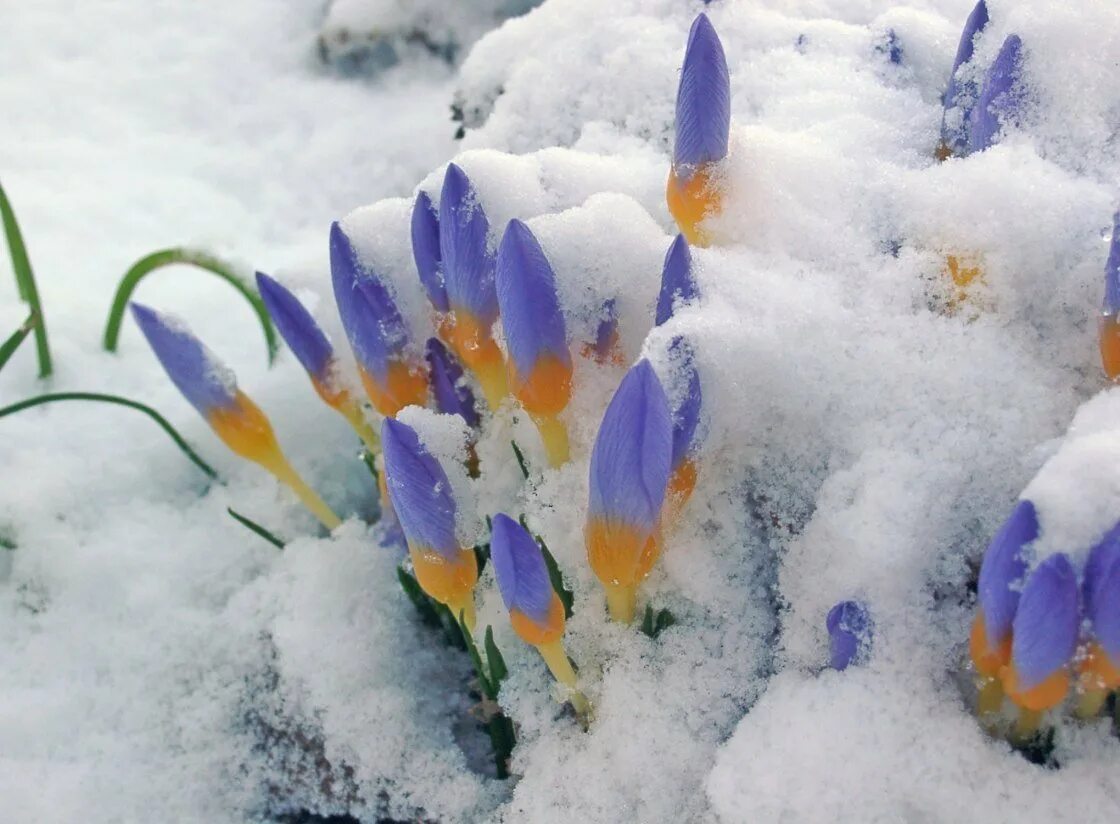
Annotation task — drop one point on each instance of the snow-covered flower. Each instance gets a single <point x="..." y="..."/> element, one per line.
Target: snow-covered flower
<point x="605" y="347"/>
<point x="211" y="388"/>
<point x="468" y="276"/>
<point x="849" y="634"/>
<point x="630" y="466"/>
<point x="451" y="393"/>
<point x="1001" y="574"/>
<point x="421" y="495"/>
<point x="703" y="125"/>
<point x="392" y="377"/>
<point x="1001" y="97"/>
<point x="960" y="93"/>
<point x="1044" y="636"/>
<point x="1109" y="325"/>
<point x="540" y="366"/>
<point x="426" y="251"/>
<point x="535" y="610"/>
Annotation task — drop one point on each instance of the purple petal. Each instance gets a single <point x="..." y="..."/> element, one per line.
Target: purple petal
<point x="959" y="92"/>
<point x="453" y="396"/>
<point x="531" y="316"/>
<point x="297" y="327"/>
<point x="607" y="332"/>
<point x="468" y="265"/>
<point x="373" y="324"/>
<point x="630" y="462"/>
<point x="520" y="569"/>
<point x="425" y="250"/>
<point x="194" y="370"/>
<point x="419" y="490"/>
<point x="1101" y="592"/>
<point x="1001" y="96"/>
<point x="686" y="414"/>
<point x="703" y="99"/>
<point x="1002" y="569"/>
<point x="677" y="283"/>
<point x="1044" y="635"/>
<point x="849" y="633"/>
<point x="1112" y="271"/>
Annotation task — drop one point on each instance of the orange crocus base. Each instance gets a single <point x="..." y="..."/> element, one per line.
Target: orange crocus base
<point x="1108" y="330"/>
<point x="547" y="388"/>
<point x="449" y="581"/>
<point x="245" y="429"/>
<point x="1049" y="693"/>
<point x="548" y="632"/>
<point x="405" y="385"/>
<point x="692" y="200"/>
<point x="619" y="554"/>
<point x="989" y="662"/>
<point x="474" y="345"/>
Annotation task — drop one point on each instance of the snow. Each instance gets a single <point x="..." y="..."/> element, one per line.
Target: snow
<point x="864" y="433"/>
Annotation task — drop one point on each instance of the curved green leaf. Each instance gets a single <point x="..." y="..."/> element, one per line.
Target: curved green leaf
<point x="25" y="281"/>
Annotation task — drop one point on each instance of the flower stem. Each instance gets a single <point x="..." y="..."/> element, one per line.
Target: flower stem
<point x="561" y="669"/>
<point x="284" y="473"/>
<point x="621" y="602"/>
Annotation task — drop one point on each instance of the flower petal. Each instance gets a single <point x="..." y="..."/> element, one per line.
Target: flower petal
<point x="520" y="569"/>
<point x="849" y="632"/>
<point x="425" y="250"/>
<point x="1111" y="304"/>
<point x="703" y="120"/>
<point x="453" y="396"/>
<point x="960" y="92"/>
<point x="630" y="462"/>
<point x="1001" y="97"/>
<point x="677" y="282"/>
<point x="1002" y="569"/>
<point x="531" y="316"/>
<point x="468" y="265"/>
<point x="204" y="381"/>
<point x="297" y="326"/>
<point x="419" y="490"/>
<point x="1101" y="592"/>
<point x="1044" y="634"/>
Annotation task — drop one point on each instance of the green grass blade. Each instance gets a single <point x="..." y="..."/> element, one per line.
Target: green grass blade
<point x="25" y="281"/>
<point x="253" y="526"/>
<point x="520" y="459"/>
<point x="100" y="398"/>
<point x="9" y="347"/>
<point x="498" y="668"/>
<point x="165" y="257"/>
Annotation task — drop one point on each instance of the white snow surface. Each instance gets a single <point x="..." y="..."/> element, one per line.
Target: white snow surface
<point x="862" y="441"/>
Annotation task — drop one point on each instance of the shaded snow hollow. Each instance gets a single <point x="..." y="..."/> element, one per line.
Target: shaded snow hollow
<point x="860" y="442"/>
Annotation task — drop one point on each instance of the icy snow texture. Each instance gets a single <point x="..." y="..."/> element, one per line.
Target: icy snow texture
<point x="861" y="443"/>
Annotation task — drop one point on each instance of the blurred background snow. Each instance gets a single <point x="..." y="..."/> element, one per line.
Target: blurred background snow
<point x="159" y="662"/>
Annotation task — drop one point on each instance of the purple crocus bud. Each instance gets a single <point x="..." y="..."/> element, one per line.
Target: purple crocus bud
<point x="298" y="328"/>
<point x="468" y="264"/>
<point x="1101" y="594"/>
<point x="686" y="412"/>
<point x="1001" y="97"/>
<point x="425" y="251"/>
<point x="1111" y="303"/>
<point x="849" y="633"/>
<point x="521" y="572"/>
<point x="960" y="93"/>
<point x="703" y="120"/>
<point x="1001" y="571"/>
<point x="1044" y="636"/>
<point x="677" y="282"/>
<point x="202" y="379"/>
<point x="605" y="348"/>
<point x="376" y="331"/>
<point x="419" y="489"/>
<point x="453" y="395"/>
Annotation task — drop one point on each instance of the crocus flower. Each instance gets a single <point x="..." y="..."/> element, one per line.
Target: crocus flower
<point x="211" y="389"/>
<point x="377" y="332"/>
<point x="421" y="495"/>
<point x="468" y="275"/>
<point x="452" y="395"/>
<point x="540" y="366"/>
<point x="1100" y="668"/>
<point x="1044" y="636"/>
<point x="630" y="466"/>
<point x="606" y="346"/>
<point x="426" y="252"/>
<point x="703" y="126"/>
<point x="849" y="634"/>
<point x="1109" y="326"/>
<point x="960" y="93"/>
<point x="1000" y="574"/>
<point x="535" y="610"/>
<point x="678" y="284"/>
<point x="314" y="352"/>
<point x="1001" y="97"/>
